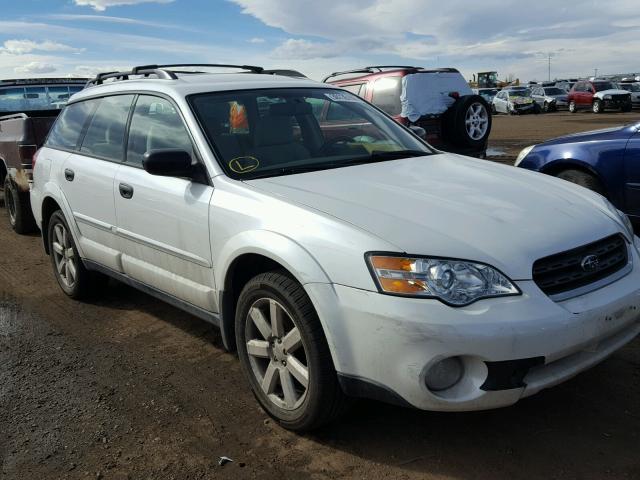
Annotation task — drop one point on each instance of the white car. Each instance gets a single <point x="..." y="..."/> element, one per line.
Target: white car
<point x="634" y="90"/>
<point x="341" y="258"/>
<point x="515" y="101"/>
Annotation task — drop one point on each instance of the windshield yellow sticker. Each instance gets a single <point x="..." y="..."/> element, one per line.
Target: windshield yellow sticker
<point x="244" y="164"/>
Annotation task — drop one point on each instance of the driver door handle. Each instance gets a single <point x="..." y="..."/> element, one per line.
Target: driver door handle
<point x="126" y="191"/>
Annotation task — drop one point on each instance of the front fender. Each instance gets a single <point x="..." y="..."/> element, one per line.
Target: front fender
<point x="279" y="248"/>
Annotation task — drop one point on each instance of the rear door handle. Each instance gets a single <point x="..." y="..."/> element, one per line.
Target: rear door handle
<point x="126" y="190"/>
<point x="69" y="174"/>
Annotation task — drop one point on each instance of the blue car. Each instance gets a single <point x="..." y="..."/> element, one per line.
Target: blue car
<point x="606" y="161"/>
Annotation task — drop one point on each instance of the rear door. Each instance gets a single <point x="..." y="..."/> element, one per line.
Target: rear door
<point x="87" y="176"/>
<point x="163" y="222"/>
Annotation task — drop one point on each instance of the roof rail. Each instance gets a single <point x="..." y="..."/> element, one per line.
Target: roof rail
<point x="164" y="71"/>
<point x="371" y="69"/>
<point x="380" y="68"/>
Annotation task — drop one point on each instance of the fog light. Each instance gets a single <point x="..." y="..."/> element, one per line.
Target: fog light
<point x="444" y="374"/>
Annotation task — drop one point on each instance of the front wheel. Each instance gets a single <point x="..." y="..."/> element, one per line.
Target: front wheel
<point x="598" y="106"/>
<point x="627" y="107"/>
<point x="583" y="179"/>
<point x="572" y="107"/>
<point x="284" y="353"/>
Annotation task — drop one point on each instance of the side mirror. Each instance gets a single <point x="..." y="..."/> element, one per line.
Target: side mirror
<point x="170" y="162"/>
<point x="419" y="131"/>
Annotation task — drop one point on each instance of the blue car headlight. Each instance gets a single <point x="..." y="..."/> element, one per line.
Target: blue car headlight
<point x="523" y="153"/>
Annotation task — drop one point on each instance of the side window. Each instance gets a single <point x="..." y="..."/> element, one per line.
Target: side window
<point x="357" y="89"/>
<point x="339" y="113"/>
<point x="68" y="127"/>
<point x="155" y="125"/>
<point x="105" y="135"/>
<point x="386" y="94"/>
<point x="12" y="99"/>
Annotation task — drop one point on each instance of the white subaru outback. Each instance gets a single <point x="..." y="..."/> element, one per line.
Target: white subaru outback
<point x="339" y="254"/>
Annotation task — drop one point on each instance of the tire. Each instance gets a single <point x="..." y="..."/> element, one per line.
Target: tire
<point x="473" y="109"/>
<point x="19" y="209"/>
<point x="303" y="409"/>
<point x="627" y="107"/>
<point x="493" y="110"/>
<point x="598" y="106"/>
<point x="572" y="107"/>
<point x="545" y="107"/>
<point x="583" y="179"/>
<point x="536" y="109"/>
<point x="80" y="286"/>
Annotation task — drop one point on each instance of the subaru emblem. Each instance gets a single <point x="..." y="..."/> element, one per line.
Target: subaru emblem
<point x="590" y="263"/>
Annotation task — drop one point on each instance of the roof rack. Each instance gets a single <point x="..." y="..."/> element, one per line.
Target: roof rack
<point x="41" y="81"/>
<point x="380" y="68"/>
<point x="164" y="71"/>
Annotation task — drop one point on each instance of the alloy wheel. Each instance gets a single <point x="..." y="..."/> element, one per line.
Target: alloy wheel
<point x="277" y="354"/>
<point x="64" y="255"/>
<point x="477" y="121"/>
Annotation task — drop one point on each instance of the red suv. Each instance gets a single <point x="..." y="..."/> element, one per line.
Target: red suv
<point x="597" y="95"/>
<point x="440" y="101"/>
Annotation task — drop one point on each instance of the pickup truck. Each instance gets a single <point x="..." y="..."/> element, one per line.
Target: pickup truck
<point x="28" y="108"/>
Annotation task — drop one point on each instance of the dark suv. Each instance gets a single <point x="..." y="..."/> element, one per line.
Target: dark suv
<point x="440" y="101"/>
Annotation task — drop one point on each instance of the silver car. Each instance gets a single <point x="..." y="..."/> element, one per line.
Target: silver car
<point x="550" y="99"/>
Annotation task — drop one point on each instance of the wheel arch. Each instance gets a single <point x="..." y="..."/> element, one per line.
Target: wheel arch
<point x="557" y="166"/>
<point x="49" y="205"/>
<point x="254" y="253"/>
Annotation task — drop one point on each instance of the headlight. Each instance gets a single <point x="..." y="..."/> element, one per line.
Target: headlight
<point x="623" y="218"/>
<point x="454" y="282"/>
<point x="607" y="97"/>
<point x="523" y="153"/>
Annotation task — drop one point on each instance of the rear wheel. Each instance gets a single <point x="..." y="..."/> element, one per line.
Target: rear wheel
<point x="584" y="179"/>
<point x="19" y="209"/>
<point x="598" y="106"/>
<point x="284" y="354"/>
<point x="72" y="276"/>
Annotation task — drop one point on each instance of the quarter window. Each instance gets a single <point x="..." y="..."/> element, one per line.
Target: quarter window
<point x="66" y="131"/>
<point x="105" y="135"/>
<point x="156" y="125"/>
<point x="386" y="94"/>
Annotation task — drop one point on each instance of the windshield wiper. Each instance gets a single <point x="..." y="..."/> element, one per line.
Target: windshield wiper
<point x="375" y="156"/>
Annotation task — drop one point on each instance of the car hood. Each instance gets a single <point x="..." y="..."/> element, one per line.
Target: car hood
<point x="611" y="91"/>
<point x="452" y="206"/>
<point x="594" y="135"/>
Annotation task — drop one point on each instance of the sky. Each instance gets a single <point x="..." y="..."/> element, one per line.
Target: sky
<point x="317" y="37"/>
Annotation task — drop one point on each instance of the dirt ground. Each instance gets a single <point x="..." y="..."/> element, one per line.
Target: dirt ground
<point x="511" y="133"/>
<point x="126" y="387"/>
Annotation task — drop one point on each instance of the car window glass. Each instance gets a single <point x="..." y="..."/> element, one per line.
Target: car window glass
<point x="68" y="127"/>
<point x="12" y="99"/>
<point x="354" y="88"/>
<point x="288" y="128"/>
<point x="36" y="98"/>
<point x="105" y="135"/>
<point x="156" y="125"/>
<point x="386" y="94"/>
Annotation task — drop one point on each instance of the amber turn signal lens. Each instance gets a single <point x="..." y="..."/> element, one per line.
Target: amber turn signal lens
<point x="395" y="275"/>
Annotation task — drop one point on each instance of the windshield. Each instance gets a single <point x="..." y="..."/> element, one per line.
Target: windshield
<point x="261" y="133"/>
<point x="30" y="98"/>
<point x="519" y="93"/>
<point x="630" y="87"/>
<point x="600" y="86"/>
<point x="554" y="91"/>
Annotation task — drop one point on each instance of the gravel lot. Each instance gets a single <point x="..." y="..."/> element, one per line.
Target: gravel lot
<point x="128" y="387"/>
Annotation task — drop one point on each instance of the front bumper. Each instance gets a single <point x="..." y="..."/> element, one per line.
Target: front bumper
<point x="389" y="343"/>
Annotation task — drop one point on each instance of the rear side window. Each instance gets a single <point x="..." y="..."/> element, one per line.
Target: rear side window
<point x="105" y="135"/>
<point x="66" y="131"/>
<point x="156" y="125"/>
<point x="386" y="94"/>
<point x="357" y="89"/>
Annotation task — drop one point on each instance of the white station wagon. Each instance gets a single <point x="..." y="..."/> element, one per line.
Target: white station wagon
<point x="339" y="254"/>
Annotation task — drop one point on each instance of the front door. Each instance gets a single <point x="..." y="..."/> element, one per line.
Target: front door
<point x="163" y="222"/>
<point x="632" y="180"/>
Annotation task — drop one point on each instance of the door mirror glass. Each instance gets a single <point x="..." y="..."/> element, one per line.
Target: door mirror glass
<point x="170" y="162"/>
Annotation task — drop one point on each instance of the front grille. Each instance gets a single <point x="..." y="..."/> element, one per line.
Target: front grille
<point x="564" y="271"/>
<point x="620" y="98"/>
